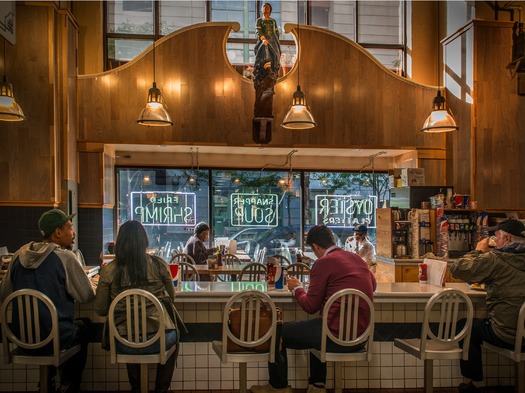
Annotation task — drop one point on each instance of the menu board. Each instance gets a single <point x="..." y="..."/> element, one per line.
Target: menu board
<point x="341" y="211"/>
<point x="164" y="208"/>
<point x="254" y="210"/>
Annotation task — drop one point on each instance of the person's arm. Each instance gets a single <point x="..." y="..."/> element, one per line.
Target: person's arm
<point x="474" y="266"/>
<point x="78" y="285"/>
<point x="312" y="301"/>
<point x="103" y="297"/>
<point x="165" y="276"/>
<point x="199" y="252"/>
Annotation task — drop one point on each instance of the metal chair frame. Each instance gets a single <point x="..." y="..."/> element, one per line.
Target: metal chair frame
<point x="135" y="301"/>
<point x="281" y="259"/>
<point x="444" y="345"/>
<point x="253" y="271"/>
<point x="188" y="272"/>
<point x="348" y="300"/>
<point x="29" y="337"/>
<point x="182" y="257"/>
<point x="299" y="270"/>
<point x="250" y="303"/>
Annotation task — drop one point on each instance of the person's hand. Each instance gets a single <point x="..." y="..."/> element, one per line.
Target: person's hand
<point x="483" y="245"/>
<point x="94" y="281"/>
<point x="350" y="239"/>
<point x="265" y="41"/>
<point x="292" y="282"/>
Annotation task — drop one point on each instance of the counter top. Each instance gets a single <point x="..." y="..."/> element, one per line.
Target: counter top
<point x="388" y="292"/>
<point x="408" y="261"/>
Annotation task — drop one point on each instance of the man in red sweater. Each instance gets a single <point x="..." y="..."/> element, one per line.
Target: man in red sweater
<point x="335" y="269"/>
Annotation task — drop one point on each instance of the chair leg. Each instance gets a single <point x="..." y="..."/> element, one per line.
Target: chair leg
<point x="44" y="379"/>
<point x="520" y="376"/>
<point x="338" y="377"/>
<point x="144" y="378"/>
<point x="429" y="375"/>
<point x="243" y="378"/>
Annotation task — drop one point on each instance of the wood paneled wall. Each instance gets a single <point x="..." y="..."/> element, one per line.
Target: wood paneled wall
<point x="355" y="100"/>
<point x="488" y="152"/>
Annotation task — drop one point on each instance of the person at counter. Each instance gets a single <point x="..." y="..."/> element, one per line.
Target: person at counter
<point x="134" y="268"/>
<point x="51" y="268"/>
<point x="502" y="270"/>
<point x="363" y="247"/>
<point x="195" y="245"/>
<point x="335" y="269"/>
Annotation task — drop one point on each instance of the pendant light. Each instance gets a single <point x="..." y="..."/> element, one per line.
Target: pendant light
<point x="9" y="109"/>
<point x="299" y="116"/>
<point x="154" y="113"/>
<point x="440" y="120"/>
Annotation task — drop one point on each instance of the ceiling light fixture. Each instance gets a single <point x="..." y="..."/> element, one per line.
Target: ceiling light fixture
<point x="9" y="108"/>
<point x="440" y="120"/>
<point x="299" y="116"/>
<point x="154" y="113"/>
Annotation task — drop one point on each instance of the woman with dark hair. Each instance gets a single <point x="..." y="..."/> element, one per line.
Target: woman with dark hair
<point x="134" y="268"/>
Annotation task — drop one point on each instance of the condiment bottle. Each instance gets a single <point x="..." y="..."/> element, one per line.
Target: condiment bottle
<point x="422" y="273"/>
<point x="219" y="259"/>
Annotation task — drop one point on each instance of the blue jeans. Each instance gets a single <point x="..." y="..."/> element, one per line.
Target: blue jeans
<point x="164" y="371"/>
<point x="302" y="335"/>
<point x="481" y="331"/>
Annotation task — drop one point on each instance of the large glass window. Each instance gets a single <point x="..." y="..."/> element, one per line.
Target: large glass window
<point x="258" y="209"/>
<point x="379" y="26"/>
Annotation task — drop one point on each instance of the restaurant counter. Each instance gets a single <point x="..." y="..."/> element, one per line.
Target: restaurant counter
<point x="406" y="269"/>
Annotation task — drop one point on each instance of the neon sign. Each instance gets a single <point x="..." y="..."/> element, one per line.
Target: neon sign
<point x="341" y="211"/>
<point x="254" y="210"/>
<point x="164" y="208"/>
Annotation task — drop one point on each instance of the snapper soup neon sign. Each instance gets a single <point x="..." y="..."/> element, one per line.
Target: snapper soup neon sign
<point x="254" y="210"/>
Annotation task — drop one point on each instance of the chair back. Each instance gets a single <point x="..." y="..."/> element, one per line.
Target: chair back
<point x="281" y="259"/>
<point x="520" y="334"/>
<point x="182" y="257"/>
<point x="349" y="314"/>
<point x="253" y="272"/>
<point x="231" y="260"/>
<point x="262" y="255"/>
<point x="250" y="304"/>
<point x="20" y="318"/>
<point x="447" y="307"/>
<point x="299" y="270"/>
<point x="137" y="304"/>
<point x="188" y="272"/>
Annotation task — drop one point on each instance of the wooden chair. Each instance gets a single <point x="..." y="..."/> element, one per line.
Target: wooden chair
<point x="299" y="270"/>
<point x="250" y="303"/>
<point x="281" y="259"/>
<point x="516" y="355"/>
<point x="229" y="260"/>
<point x="188" y="272"/>
<point x="182" y="257"/>
<point x="136" y="302"/>
<point x="253" y="272"/>
<point x="23" y="308"/>
<point x="349" y="313"/>
<point x="447" y="306"/>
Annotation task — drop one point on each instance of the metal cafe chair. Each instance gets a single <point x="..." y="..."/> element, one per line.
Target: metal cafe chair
<point x="299" y="270"/>
<point x="188" y="272"/>
<point x="249" y="336"/>
<point x="281" y="259"/>
<point x="182" y="257"/>
<point x="24" y="307"/>
<point x="516" y="355"/>
<point x="253" y="272"/>
<point x="349" y="310"/>
<point x="136" y="302"/>
<point x="448" y="305"/>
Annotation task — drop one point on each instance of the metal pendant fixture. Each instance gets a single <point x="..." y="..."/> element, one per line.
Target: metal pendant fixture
<point x="154" y="113"/>
<point x="440" y="120"/>
<point x="299" y="116"/>
<point x="9" y="108"/>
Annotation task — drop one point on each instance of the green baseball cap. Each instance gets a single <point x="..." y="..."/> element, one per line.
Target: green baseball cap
<point x="51" y="220"/>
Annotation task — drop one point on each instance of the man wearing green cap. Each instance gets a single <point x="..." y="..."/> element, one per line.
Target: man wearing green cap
<point x="51" y="268"/>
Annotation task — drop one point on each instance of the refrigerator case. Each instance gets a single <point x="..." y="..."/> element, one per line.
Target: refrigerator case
<point x="411" y="197"/>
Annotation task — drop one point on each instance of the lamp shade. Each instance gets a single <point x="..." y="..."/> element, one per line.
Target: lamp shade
<point x="9" y="109"/>
<point x="154" y="113"/>
<point x="299" y="116"/>
<point x="440" y="120"/>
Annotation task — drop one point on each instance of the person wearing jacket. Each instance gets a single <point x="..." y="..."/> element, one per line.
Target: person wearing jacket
<point x="134" y="268"/>
<point x="335" y="269"/>
<point x="502" y="270"/>
<point x="51" y="268"/>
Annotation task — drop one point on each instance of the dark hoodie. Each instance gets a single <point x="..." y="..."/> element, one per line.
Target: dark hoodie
<point x="503" y="273"/>
<point x="54" y="271"/>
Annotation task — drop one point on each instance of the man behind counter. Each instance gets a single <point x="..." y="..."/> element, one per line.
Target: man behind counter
<point x="51" y="268"/>
<point x="502" y="270"/>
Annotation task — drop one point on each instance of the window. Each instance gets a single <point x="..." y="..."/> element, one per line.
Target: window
<point x="258" y="209"/>
<point x="379" y="26"/>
